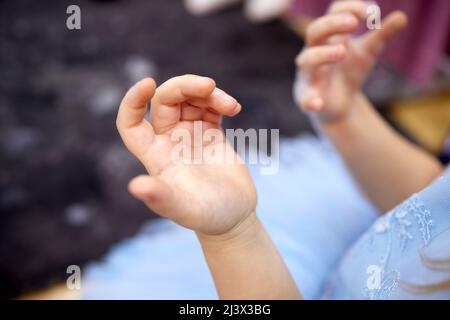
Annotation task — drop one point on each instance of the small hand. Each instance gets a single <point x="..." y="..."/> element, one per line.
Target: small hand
<point x="334" y="66"/>
<point x="210" y="198"/>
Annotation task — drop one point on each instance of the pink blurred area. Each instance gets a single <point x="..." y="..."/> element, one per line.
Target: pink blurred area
<point x="419" y="48"/>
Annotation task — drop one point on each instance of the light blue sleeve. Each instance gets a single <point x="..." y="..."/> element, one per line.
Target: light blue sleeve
<point x="392" y="259"/>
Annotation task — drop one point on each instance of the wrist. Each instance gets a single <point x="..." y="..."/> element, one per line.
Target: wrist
<point x="345" y="122"/>
<point x="242" y="234"/>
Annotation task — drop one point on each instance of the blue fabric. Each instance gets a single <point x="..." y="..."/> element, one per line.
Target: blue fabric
<point x="392" y="258"/>
<point x="311" y="208"/>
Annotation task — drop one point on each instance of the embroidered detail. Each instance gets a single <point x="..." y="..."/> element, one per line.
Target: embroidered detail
<point x="381" y="226"/>
<point x="389" y="280"/>
<point x="389" y="284"/>
<point x="398" y="224"/>
<point x="384" y="258"/>
<point x="402" y="224"/>
<point x="423" y="217"/>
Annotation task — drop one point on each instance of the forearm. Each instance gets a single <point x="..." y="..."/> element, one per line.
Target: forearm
<point x="388" y="167"/>
<point x="245" y="264"/>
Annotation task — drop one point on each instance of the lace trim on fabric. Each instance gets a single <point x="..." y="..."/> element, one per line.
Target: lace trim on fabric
<point x="398" y="224"/>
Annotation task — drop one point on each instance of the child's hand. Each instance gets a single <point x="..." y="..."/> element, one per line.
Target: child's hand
<point x="208" y="198"/>
<point x="334" y="65"/>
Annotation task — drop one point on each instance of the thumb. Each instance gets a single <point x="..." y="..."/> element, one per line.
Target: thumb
<point x="156" y="194"/>
<point x="136" y="133"/>
<point x="375" y="41"/>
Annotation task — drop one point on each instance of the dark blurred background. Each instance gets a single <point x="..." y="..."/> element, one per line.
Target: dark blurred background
<point x="63" y="169"/>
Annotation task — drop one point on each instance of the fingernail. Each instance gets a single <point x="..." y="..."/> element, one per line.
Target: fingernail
<point x="228" y="100"/>
<point x="237" y="109"/>
<point x="349" y="20"/>
<point x="202" y="81"/>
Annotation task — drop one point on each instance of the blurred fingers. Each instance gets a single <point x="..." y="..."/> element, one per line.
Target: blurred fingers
<point x="316" y="56"/>
<point x="374" y="41"/>
<point x="356" y="7"/>
<point x="333" y="24"/>
<point x="310" y="100"/>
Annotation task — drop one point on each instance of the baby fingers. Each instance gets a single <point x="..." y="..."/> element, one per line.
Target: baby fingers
<point x="177" y="98"/>
<point x="310" y="100"/>
<point x="136" y="132"/>
<point x="316" y="56"/>
<point x="166" y="110"/>
<point x="357" y="7"/>
<point x="220" y="102"/>
<point x="134" y="105"/>
<point x="327" y="26"/>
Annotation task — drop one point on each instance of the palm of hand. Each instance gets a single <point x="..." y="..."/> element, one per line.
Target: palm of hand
<point x="213" y="196"/>
<point x="209" y="197"/>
